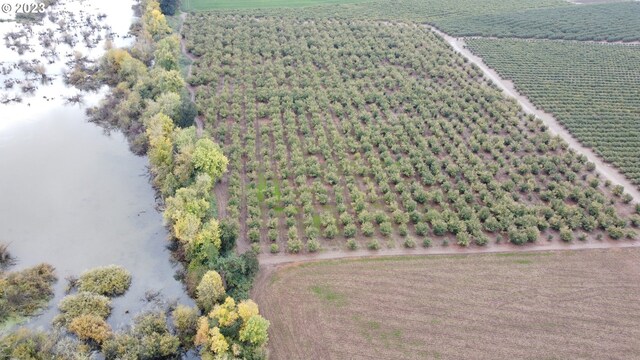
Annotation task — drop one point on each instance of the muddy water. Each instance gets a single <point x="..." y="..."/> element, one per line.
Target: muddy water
<point x="76" y="198"/>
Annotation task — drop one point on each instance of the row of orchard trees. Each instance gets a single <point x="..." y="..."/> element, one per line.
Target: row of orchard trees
<point x="148" y="101"/>
<point x="355" y="129"/>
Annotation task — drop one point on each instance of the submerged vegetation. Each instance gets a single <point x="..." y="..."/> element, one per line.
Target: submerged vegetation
<point x="109" y="280"/>
<point x="23" y="293"/>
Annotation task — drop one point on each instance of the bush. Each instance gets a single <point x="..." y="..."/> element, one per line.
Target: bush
<point x="352" y="244"/>
<point x="313" y="245"/>
<point x="367" y="229"/>
<point x="403" y="230"/>
<point x="439" y="227"/>
<point x="38" y="345"/>
<point x="111" y="280"/>
<point x="210" y="291"/>
<point x="274" y="248"/>
<point x="90" y="327"/>
<point x="426" y="242"/>
<point x="615" y="232"/>
<point x="148" y="339"/>
<point x="463" y="238"/>
<point x="228" y="234"/>
<point x="22" y="293"/>
<point x="566" y="234"/>
<point x="350" y="231"/>
<point x="84" y="303"/>
<point x="294" y="246"/>
<point x="331" y="231"/>
<point x="169" y="7"/>
<point x="422" y="229"/>
<point x="386" y="229"/>
<point x="238" y="272"/>
<point x="409" y="243"/>
<point x="517" y="236"/>
<point x="617" y="190"/>
<point x="373" y="245"/>
<point x="185" y="321"/>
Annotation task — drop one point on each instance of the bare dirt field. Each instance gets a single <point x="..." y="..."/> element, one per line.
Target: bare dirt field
<point x="551" y="305"/>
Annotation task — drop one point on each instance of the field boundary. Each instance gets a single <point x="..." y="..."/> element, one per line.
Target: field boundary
<point x="603" y="42"/>
<point x="268" y="260"/>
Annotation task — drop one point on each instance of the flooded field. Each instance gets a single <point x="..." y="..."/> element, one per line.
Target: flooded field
<point x="72" y="196"/>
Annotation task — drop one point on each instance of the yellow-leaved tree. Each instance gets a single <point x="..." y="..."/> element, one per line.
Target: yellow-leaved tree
<point x="232" y="330"/>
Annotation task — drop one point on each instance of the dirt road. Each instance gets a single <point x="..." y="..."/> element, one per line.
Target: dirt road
<point x="268" y="260"/>
<point x="605" y="169"/>
<point x="192" y="91"/>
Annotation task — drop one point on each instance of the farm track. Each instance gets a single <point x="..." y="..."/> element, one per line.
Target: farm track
<point x="192" y="91"/>
<point x="604" y="42"/>
<point x="268" y="260"/>
<point x="605" y="169"/>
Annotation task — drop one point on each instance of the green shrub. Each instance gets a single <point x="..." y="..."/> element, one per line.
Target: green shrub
<point x="29" y="344"/>
<point x="463" y="238"/>
<point x="481" y="240"/>
<point x="409" y="243"/>
<point x="111" y="280"/>
<point x="373" y="245"/>
<point x="566" y="234"/>
<point x="367" y="229"/>
<point x="148" y="339"/>
<point x="90" y="327"/>
<point x="352" y="244"/>
<point x="22" y="293"/>
<point x="210" y="291"/>
<point x="185" y="321"/>
<point x="313" y="245"/>
<point x="350" y="230"/>
<point x="615" y="232"/>
<point x="426" y="242"/>
<point x="294" y="246"/>
<point x="84" y="303"/>
<point x="386" y="229"/>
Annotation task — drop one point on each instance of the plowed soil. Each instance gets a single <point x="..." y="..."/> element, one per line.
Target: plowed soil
<point x="550" y="305"/>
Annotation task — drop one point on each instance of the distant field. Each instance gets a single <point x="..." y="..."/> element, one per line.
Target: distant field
<point x="404" y="10"/>
<point x="545" y="19"/>
<point x="203" y="5"/>
<point x="569" y="305"/>
<point x="610" y="22"/>
<point x="593" y="89"/>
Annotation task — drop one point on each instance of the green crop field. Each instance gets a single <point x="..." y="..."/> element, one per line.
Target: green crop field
<point x="204" y="5"/>
<point x="548" y="19"/>
<point x="609" y="22"/>
<point x="364" y="134"/>
<point x="593" y="89"/>
<point x="397" y="10"/>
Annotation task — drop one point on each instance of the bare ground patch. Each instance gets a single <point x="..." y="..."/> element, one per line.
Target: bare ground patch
<point x="553" y="305"/>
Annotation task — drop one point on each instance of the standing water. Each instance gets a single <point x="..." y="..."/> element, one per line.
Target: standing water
<point x="70" y="195"/>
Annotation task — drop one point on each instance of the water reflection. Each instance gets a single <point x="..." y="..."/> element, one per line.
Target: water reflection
<point x="75" y="198"/>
